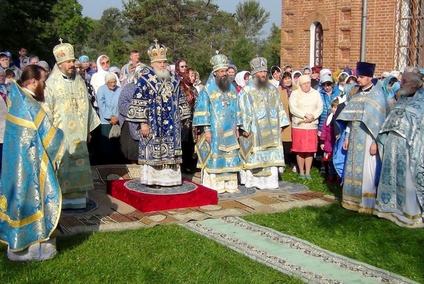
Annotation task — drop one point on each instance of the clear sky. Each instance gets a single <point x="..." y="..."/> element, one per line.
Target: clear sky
<point x="94" y="9"/>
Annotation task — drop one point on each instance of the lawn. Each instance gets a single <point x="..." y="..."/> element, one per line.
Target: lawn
<point x="163" y="254"/>
<point x="171" y="254"/>
<point x="363" y="237"/>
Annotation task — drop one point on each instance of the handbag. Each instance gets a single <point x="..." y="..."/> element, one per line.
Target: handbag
<point x="115" y="131"/>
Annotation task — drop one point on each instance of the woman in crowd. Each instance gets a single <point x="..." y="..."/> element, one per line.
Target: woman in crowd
<point x="286" y="136"/>
<point x="188" y="133"/>
<point x="242" y="78"/>
<point x="295" y="78"/>
<point x="305" y="106"/>
<point x="98" y="78"/>
<point x="387" y="85"/>
<point x="198" y="83"/>
<point x="129" y="140"/>
<point x="107" y="98"/>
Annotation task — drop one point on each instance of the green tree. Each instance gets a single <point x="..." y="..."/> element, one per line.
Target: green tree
<point x="241" y="53"/>
<point x="192" y="30"/>
<point x="251" y="18"/>
<point x="24" y="25"/>
<point x="109" y="36"/>
<point x="271" y="47"/>
<point x="69" y="24"/>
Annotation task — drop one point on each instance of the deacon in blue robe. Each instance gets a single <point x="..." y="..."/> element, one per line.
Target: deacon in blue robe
<point x="363" y="117"/>
<point x="30" y="196"/>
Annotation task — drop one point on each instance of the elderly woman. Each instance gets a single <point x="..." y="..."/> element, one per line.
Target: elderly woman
<point x="129" y="137"/>
<point x="305" y="106"/>
<point x="98" y="78"/>
<point x="107" y="98"/>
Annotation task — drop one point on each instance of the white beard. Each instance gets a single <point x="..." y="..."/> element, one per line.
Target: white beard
<point x="162" y="74"/>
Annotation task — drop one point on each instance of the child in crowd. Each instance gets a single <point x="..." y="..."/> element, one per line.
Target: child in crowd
<point x="327" y="140"/>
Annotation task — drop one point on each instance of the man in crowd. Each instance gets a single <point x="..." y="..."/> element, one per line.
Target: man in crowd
<point x="218" y="114"/>
<point x="363" y="117"/>
<point x="263" y="118"/>
<point x="400" y="194"/>
<point x="69" y="109"/>
<point x="126" y="69"/>
<point x="156" y="111"/>
<point x="21" y="60"/>
<point x="30" y="194"/>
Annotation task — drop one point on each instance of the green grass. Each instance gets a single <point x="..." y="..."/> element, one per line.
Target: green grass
<point x="317" y="183"/>
<point x="163" y="254"/>
<point x="363" y="237"/>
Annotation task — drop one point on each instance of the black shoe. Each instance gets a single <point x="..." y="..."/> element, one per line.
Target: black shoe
<point x="154" y="186"/>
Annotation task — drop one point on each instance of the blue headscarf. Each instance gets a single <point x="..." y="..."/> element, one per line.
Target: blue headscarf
<point x="84" y="58"/>
<point x="385" y="85"/>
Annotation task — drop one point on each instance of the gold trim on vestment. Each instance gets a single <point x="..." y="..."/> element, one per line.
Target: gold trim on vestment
<point x="21" y="122"/>
<point x="224" y="170"/>
<point x="23" y="222"/>
<point x="250" y="166"/>
<point x="355" y="207"/>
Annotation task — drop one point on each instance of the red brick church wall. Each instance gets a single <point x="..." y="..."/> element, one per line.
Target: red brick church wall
<point x="341" y="21"/>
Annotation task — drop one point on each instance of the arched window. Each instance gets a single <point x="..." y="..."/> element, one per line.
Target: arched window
<point x="316" y="51"/>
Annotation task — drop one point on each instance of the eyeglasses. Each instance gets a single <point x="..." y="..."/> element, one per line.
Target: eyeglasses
<point x="105" y="62"/>
<point x="327" y="84"/>
<point x="184" y="66"/>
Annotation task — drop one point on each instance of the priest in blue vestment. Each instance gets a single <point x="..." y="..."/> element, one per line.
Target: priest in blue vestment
<point x="30" y="196"/>
<point x="363" y="118"/>
<point x="217" y="114"/>
<point x="400" y="194"/>
<point x="263" y="118"/>
<point x="155" y="113"/>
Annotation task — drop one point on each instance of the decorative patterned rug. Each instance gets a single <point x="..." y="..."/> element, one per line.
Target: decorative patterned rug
<point x="137" y="186"/>
<point x="290" y="255"/>
<point x="91" y="206"/>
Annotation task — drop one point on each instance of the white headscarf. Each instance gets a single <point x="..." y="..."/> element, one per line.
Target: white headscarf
<point x="240" y="78"/>
<point x="98" y="78"/>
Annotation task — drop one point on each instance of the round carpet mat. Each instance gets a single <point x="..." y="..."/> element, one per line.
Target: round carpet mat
<point x="135" y="185"/>
<point x="91" y="206"/>
<point x="243" y="192"/>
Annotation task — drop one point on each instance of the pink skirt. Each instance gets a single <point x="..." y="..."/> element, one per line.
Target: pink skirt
<point x="304" y="140"/>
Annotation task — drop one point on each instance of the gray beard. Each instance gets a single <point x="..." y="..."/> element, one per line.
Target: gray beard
<point x="223" y="83"/>
<point x="261" y="85"/>
<point x="162" y="74"/>
<point x="405" y="92"/>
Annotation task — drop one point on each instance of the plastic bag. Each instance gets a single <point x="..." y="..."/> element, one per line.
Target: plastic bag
<point x="115" y="131"/>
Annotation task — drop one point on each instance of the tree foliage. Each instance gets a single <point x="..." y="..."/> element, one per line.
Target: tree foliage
<point x="69" y="24"/>
<point x="271" y="47"/>
<point x="109" y="36"/>
<point x="191" y="29"/>
<point x="24" y="25"/>
<point x="251" y="18"/>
